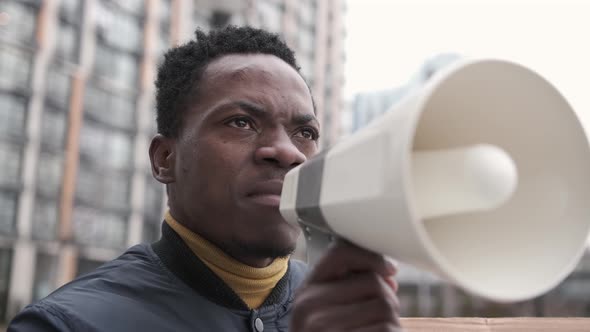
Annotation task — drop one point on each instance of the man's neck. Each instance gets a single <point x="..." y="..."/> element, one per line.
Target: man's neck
<point x="252" y="283"/>
<point x="242" y="256"/>
<point x="253" y="261"/>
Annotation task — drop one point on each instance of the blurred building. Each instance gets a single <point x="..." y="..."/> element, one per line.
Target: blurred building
<point x="77" y="114"/>
<point x="422" y="294"/>
<point x="365" y="107"/>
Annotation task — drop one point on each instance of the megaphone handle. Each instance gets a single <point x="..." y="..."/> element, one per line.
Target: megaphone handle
<point x="317" y="242"/>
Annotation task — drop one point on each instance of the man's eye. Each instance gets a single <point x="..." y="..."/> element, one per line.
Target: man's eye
<point x="307" y="133"/>
<point x="242" y="123"/>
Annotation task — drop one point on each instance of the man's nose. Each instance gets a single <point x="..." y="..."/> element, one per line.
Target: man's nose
<point x="280" y="151"/>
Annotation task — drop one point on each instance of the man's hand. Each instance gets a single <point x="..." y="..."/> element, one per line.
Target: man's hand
<point x="350" y="289"/>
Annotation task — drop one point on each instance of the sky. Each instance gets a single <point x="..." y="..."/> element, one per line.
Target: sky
<point x="387" y="40"/>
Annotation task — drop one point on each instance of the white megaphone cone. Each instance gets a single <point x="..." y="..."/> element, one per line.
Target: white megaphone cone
<point x="483" y="177"/>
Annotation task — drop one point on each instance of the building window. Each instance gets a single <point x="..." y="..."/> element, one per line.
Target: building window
<point x="91" y="142"/>
<point x="163" y="45"/>
<point x="117" y="28"/>
<point x="53" y="128"/>
<point x="5" y="267"/>
<point x="219" y="19"/>
<point x="67" y="42"/>
<point x="15" y="66"/>
<point x="7" y="212"/>
<point x="152" y="218"/>
<point x="165" y="11"/>
<point x="12" y="116"/>
<point x="269" y="16"/>
<point x="109" y="108"/>
<point x="306" y="68"/>
<point x="105" y="147"/>
<point x="49" y="174"/>
<point x="46" y="269"/>
<point x="87" y="265"/>
<point x="116" y="190"/>
<point x="118" y="151"/>
<point x="96" y="228"/>
<point x="87" y="185"/>
<point x="105" y="190"/>
<point x="11" y="164"/>
<point x="307" y="14"/>
<point x="154" y="195"/>
<point x="134" y="7"/>
<point x="119" y="41"/>
<point x="200" y="19"/>
<point x="306" y="43"/>
<point x="45" y="219"/>
<point x="112" y="64"/>
<point x="164" y="35"/>
<point x="70" y="9"/>
<point x="151" y="230"/>
<point x="58" y="87"/>
<point x="21" y="22"/>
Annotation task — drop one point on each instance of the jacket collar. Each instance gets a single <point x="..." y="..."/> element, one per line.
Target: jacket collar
<point x="185" y="265"/>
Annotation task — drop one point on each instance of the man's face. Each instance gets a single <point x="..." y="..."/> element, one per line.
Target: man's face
<point x="253" y="122"/>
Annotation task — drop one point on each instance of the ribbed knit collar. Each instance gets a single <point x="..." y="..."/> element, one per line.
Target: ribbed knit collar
<point x="252" y="284"/>
<point x="179" y="259"/>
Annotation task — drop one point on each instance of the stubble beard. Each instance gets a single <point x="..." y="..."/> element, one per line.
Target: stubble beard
<point x="258" y="251"/>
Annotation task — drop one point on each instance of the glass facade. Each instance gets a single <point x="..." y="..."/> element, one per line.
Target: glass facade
<point x="7" y="212"/>
<point x="16" y="66"/>
<point x="10" y="154"/>
<point x="270" y="14"/>
<point x="87" y="265"/>
<point x="109" y="108"/>
<point x="46" y="271"/>
<point x="107" y="136"/>
<point x="68" y="34"/>
<point x="119" y="36"/>
<point x="13" y="110"/>
<point x="152" y="208"/>
<point x="17" y="47"/>
<point x="103" y="186"/>
<point x="5" y="265"/>
<point x="21" y="17"/>
<point x="97" y="228"/>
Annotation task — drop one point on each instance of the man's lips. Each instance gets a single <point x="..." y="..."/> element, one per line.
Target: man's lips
<point x="266" y="193"/>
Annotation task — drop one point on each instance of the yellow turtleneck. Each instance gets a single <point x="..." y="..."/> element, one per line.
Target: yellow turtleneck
<point x="253" y="285"/>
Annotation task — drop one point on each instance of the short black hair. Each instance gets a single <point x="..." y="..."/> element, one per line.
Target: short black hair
<point x="183" y="66"/>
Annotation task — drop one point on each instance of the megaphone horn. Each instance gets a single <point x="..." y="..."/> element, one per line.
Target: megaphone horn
<point x="481" y="176"/>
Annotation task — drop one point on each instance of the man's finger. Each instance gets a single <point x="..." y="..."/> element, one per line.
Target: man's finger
<point x="381" y="327"/>
<point x="355" y="288"/>
<point x="372" y="312"/>
<point x="345" y="258"/>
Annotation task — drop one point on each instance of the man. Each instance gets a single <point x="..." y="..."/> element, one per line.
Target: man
<point x="234" y="116"/>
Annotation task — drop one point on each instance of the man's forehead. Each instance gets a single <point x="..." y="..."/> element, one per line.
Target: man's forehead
<point x="247" y="75"/>
<point x="251" y="66"/>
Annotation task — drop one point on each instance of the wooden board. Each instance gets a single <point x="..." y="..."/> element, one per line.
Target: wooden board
<point x="521" y="324"/>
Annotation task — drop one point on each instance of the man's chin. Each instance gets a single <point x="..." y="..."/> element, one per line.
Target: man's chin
<point x="264" y="251"/>
<point x="270" y="242"/>
<point x="263" y="234"/>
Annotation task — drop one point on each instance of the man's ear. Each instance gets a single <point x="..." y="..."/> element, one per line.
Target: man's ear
<point x="162" y="158"/>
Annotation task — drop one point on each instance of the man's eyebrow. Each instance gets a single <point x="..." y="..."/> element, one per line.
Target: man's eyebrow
<point x="301" y="119"/>
<point x="298" y="119"/>
<point x="251" y="108"/>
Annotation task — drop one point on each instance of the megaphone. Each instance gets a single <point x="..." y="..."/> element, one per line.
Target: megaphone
<point x="482" y="177"/>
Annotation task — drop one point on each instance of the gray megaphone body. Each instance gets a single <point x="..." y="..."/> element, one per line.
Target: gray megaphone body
<point x="482" y="177"/>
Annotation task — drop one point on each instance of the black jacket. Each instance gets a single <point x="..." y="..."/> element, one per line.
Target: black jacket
<point x="157" y="287"/>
